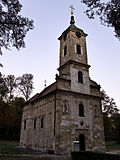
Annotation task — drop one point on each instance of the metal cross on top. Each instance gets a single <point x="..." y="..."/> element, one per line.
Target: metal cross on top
<point x="72" y="8"/>
<point x="45" y="83"/>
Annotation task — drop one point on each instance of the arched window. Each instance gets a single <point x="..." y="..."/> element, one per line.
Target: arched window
<point x="96" y="111"/>
<point x="35" y="123"/>
<point x="42" y="122"/>
<point x="25" y="124"/>
<point x="65" y="50"/>
<point x="65" y="107"/>
<point x="80" y="77"/>
<point x="81" y="110"/>
<point x="78" y="48"/>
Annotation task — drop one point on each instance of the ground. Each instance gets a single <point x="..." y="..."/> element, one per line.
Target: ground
<point x="113" y="147"/>
<point x="12" y="151"/>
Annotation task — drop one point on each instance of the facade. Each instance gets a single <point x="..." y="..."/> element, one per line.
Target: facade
<point x="67" y="115"/>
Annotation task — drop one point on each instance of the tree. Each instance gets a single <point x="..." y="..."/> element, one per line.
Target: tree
<point x="111" y="118"/>
<point x="109" y="105"/>
<point x="10" y="118"/>
<point x="109" y="13"/>
<point x="25" y="85"/>
<point x="11" y="106"/>
<point x="13" y="27"/>
<point x="10" y="81"/>
<point x="116" y="125"/>
<point x="107" y="126"/>
<point x="3" y="88"/>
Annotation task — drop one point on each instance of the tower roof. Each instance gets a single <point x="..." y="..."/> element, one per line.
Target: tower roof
<point x="72" y="27"/>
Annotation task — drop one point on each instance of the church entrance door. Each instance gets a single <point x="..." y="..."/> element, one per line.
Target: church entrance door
<point x="82" y="142"/>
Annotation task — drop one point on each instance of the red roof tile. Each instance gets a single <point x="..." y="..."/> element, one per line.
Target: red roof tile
<point x="45" y="92"/>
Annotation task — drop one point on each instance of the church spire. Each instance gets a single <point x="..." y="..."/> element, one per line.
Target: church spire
<point x="72" y="21"/>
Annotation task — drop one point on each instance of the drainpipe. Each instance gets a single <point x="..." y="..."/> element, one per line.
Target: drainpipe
<point x="54" y="113"/>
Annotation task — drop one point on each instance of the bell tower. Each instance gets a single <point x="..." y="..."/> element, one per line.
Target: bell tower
<point x="73" y="63"/>
<point x="73" y="44"/>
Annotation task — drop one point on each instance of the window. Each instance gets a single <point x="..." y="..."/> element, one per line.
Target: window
<point x="81" y="110"/>
<point x="95" y="111"/>
<point x="24" y="124"/>
<point x="78" y="47"/>
<point x="65" y="50"/>
<point x="42" y="122"/>
<point x="35" y="123"/>
<point x="65" y="36"/>
<point x="65" y="107"/>
<point x="80" y="77"/>
<point x="81" y="123"/>
<point x="78" y="34"/>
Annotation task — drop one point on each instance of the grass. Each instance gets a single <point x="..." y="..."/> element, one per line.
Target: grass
<point x="8" y="147"/>
<point x="26" y="158"/>
<point x="21" y="158"/>
<point x="11" y="151"/>
<point x="112" y="145"/>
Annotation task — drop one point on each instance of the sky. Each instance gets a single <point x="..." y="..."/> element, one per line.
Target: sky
<point x="41" y="55"/>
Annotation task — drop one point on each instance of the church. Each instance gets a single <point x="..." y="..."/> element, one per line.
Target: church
<point x="67" y="115"/>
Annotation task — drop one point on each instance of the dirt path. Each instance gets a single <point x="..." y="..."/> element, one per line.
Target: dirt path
<point x="114" y="152"/>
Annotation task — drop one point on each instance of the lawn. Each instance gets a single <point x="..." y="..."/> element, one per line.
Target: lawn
<point x="8" y="147"/>
<point x="11" y="151"/>
<point x="112" y="145"/>
<point x="22" y="158"/>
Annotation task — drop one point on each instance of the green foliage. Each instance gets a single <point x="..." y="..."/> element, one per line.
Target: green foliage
<point x="11" y="106"/>
<point x="13" y="27"/>
<point x="3" y="88"/>
<point x="108" y="105"/>
<point x="111" y="118"/>
<point x="10" y="119"/>
<point x="108" y="12"/>
<point x="12" y="147"/>
<point x="25" y="85"/>
<point x="112" y="145"/>
<point x="11" y="86"/>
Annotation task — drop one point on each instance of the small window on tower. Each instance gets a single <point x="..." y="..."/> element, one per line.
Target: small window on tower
<point x="80" y="77"/>
<point x="65" y="50"/>
<point x="78" y="48"/>
<point x="78" y="34"/>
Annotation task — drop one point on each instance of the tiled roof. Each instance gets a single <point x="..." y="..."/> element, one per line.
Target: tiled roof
<point x="93" y="83"/>
<point x="34" y="97"/>
<point x="72" y="27"/>
<point x="45" y="92"/>
<point x="48" y="90"/>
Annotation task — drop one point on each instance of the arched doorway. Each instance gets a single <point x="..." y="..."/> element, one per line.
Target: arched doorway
<point x="82" y="142"/>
